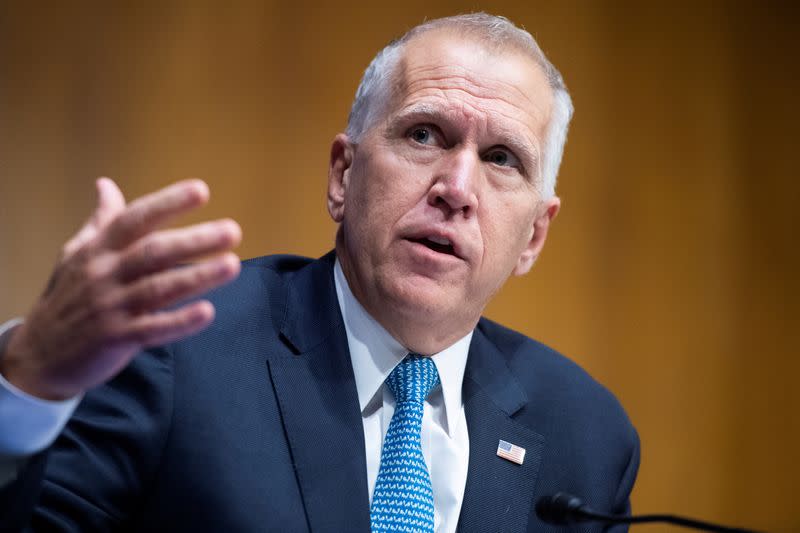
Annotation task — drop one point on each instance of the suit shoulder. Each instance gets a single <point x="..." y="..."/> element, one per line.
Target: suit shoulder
<point x="256" y="299"/>
<point x="261" y="279"/>
<point x="278" y="263"/>
<point x="521" y="349"/>
<point x="550" y="378"/>
<point x="525" y="354"/>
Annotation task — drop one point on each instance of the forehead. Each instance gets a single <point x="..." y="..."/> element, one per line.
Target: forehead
<point x="490" y="87"/>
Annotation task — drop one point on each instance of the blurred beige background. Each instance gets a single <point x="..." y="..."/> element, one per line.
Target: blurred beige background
<point x="671" y="273"/>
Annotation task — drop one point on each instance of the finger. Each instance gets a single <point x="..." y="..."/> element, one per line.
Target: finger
<point x="160" y="328"/>
<point x="153" y="210"/>
<point x="161" y="290"/>
<point x="110" y="202"/>
<point x="162" y="250"/>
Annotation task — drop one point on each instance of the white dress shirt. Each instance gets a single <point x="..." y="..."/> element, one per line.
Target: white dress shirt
<point x="29" y="424"/>
<point x="445" y="442"/>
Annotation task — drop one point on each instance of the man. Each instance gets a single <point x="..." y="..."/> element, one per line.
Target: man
<point x="359" y="391"/>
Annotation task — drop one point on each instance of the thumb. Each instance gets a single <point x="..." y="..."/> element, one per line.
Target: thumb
<point x="110" y="202"/>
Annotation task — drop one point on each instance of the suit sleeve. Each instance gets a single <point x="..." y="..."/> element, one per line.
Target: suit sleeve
<point x="99" y="467"/>
<point x="19" y="495"/>
<point x="622" y="500"/>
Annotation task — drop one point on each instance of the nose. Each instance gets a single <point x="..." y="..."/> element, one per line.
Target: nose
<point x="455" y="187"/>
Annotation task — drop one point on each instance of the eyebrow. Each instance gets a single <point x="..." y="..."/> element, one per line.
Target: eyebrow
<point x="429" y="112"/>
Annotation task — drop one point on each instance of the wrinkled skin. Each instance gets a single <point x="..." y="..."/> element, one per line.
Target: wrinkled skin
<point x="113" y="288"/>
<point x="455" y="158"/>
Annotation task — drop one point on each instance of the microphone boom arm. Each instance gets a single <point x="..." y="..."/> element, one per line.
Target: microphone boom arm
<point x="563" y="509"/>
<point x="670" y="519"/>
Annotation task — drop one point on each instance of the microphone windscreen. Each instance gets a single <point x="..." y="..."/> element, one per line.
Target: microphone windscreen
<point x="559" y="509"/>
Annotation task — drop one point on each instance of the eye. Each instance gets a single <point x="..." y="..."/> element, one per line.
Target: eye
<point x="422" y="134"/>
<point x="502" y="157"/>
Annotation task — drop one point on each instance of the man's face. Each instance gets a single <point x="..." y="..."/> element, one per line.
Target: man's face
<point x="439" y="202"/>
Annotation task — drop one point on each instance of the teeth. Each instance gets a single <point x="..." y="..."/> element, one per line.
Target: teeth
<point x="439" y="240"/>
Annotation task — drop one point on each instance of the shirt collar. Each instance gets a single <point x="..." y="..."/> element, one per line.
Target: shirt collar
<point x="374" y="353"/>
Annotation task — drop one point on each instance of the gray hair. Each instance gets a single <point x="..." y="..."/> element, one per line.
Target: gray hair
<point x="374" y="91"/>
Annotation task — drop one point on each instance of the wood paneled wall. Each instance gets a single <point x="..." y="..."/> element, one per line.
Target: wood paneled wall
<point x="671" y="273"/>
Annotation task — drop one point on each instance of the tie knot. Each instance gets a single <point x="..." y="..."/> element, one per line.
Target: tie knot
<point x="413" y="379"/>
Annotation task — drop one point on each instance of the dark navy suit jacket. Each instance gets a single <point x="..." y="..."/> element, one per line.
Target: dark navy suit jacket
<point x="254" y="425"/>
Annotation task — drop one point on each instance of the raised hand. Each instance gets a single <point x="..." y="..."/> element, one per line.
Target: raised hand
<point x="114" y="288"/>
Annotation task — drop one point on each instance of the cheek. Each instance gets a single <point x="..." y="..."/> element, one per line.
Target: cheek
<point x="364" y="187"/>
<point x="372" y="200"/>
<point x="391" y="185"/>
<point x="507" y="230"/>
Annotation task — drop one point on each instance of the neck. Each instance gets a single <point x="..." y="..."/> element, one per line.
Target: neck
<point x="417" y="330"/>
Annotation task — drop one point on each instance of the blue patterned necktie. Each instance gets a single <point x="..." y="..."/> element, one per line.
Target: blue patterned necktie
<point x="403" y="496"/>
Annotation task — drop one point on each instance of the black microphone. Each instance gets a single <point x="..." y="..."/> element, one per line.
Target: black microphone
<point x="563" y="509"/>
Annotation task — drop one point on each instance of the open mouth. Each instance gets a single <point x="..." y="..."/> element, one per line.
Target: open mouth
<point x="442" y="246"/>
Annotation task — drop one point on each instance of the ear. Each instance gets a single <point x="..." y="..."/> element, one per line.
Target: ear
<point x="547" y="211"/>
<point x="338" y="173"/>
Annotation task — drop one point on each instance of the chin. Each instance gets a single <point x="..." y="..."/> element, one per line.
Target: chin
<point x="421" y="298"/>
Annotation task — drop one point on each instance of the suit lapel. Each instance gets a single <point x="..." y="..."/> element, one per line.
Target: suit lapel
<point x="319" y="404"/>
<point x="498" y="494"/>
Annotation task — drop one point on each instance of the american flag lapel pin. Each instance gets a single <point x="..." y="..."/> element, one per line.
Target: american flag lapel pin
<point x="511" y="452"/>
